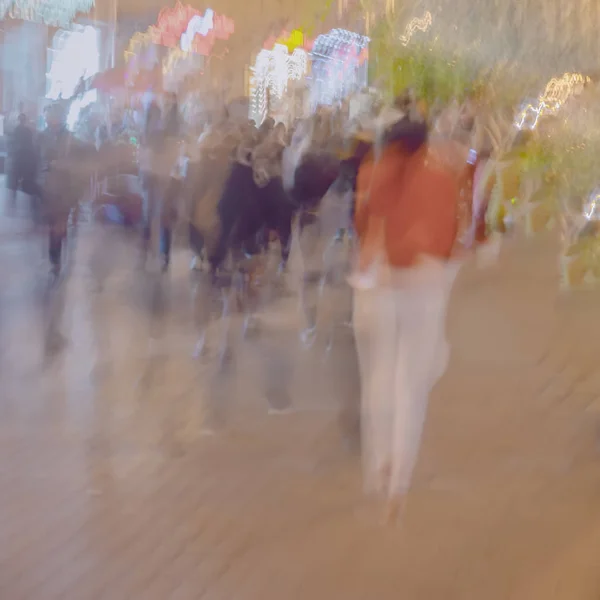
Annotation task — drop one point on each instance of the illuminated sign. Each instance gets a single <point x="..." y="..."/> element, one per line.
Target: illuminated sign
<point x="291" y="41"/>
<point x="198" y="25"/>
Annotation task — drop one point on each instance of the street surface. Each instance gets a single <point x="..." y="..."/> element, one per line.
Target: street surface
<point x="129" y="469"/>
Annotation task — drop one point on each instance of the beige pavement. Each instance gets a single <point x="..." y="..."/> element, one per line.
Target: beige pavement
<point x="111" y="485"/>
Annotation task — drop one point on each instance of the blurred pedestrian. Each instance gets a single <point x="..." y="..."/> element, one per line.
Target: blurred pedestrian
<point x="22" y="166"/>
<point x="59" y="194"/>
<point x="159" y="157"/>
<point x="406" y="221"/>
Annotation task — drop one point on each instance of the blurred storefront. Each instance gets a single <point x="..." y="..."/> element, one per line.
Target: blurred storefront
<point x="48" y="46"/>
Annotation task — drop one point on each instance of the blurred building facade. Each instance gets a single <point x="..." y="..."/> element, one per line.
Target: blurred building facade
<point x="41" y="58"/>
<point x="40" y="61"/>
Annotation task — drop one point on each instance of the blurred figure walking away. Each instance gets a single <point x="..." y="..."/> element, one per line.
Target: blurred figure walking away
<point x="22" y="167"/>
<point x="66" y="166"/>
<point x="406" y="221"/>
<point x="59" y="193"/>
<point x="158" y="159"/>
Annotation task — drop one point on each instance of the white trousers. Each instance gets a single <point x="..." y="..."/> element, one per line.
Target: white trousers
<point x="402" y="348"/>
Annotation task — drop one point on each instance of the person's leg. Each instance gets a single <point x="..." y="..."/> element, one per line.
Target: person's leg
<point x="12" y="184"/>
<point x="347" y="385"/>
<point x="57" y="235"/>
<point x="377" y="406"/>
<point x="149" y="184"/>
<point x="421" y="310"/>
<point x="421" y="316"/>
<point x="452" y="269"/>
<point x="165" y="245"/>
<point x="311" y="249"/>
<point x="363" y="311"/>
<point x="54" y="249"/>
<point x="168" y="218"/>
<point x="30" y="187"/>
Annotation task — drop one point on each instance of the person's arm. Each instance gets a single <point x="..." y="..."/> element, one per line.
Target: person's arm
<point x="374" y="202"/>
<point x="371" y="242"/>
<point x="361" y="197"/>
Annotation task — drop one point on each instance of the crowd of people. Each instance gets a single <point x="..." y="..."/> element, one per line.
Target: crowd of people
<point x="408" y="189"/>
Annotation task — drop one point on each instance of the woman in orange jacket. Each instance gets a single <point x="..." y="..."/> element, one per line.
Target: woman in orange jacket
<point x="406" y="221"/>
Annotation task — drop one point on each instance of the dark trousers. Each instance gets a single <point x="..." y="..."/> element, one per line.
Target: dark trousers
<point x="57" y="234"/>
<point x="160" y="200"/>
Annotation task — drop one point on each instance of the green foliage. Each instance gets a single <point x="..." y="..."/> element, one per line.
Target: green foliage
<point x="431" y="72"/>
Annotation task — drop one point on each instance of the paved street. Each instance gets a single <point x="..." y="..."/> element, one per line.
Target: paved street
<point x="131" y="470"/>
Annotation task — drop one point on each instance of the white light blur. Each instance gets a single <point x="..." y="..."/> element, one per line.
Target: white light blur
<point x="272" y="72"/>
<point x="590" y="209"/>
<point x="336" y="71"/>
<point x="75" y="54"/>
<point x="557" y="91"/>
<point x="416" y="24"/>
<point x="200" y="25"/>
<point x="78" y="105"/>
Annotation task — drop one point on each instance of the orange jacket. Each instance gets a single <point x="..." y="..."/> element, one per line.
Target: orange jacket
<point x="411" y="200"/>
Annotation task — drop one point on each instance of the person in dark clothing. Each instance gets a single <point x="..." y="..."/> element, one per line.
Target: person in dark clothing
<point x="65" y="165"/>
<point x="22" y="161"/>
<point x="171" y="124"/>
<point x="158" y="162"/>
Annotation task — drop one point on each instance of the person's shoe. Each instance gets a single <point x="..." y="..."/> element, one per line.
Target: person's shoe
<point x="196" y="264"/>
<point x="395" y="509"/>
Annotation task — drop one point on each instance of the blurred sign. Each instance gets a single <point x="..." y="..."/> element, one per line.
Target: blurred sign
<point x="198" y="25"/>
<point x="292" y="41"/>
<point x="186" y="28"/>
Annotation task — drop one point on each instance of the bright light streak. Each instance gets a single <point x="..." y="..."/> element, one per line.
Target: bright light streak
<point x="74" y="54"/>
<point x="416" y="24"/>
<point x="557" y="91"/>
<point x="78" y="105"/>
<point x="590" y="209"/>
<point x="271" y="74"/>
<point x="200" y="25"/>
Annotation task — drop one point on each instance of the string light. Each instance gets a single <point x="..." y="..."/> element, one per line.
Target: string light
<point x="416" y="24"/>
<point x="339" y="65"/>
<point x="557" y="91"/>
<point x="272" y="72"/>
<point x="57" y="13"/>
<point x="590" y="209"/>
